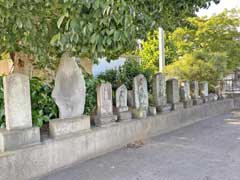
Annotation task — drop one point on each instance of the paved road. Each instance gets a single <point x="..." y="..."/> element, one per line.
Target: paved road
<point x="208" y="150"/>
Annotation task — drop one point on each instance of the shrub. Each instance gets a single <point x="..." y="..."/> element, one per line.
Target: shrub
<point x="43" y="106"/>
<point x="132" y="68"/>
<point x="111" y="76"/>
<point x="91" y="94"/>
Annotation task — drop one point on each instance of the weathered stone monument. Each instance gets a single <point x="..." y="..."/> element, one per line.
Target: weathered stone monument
<point x="19" y="131"/>
<point x="69" y="94"/>
<point x="121" y="104"/>
<point x="159" y="93"/>
<point x="140" y="94"/>
<point x="195" y="93"/>
<point x="185" y="94"/>
<point x="105" y="115"/>
<point x="173" y="94"/>
<point x="204" y="91"/>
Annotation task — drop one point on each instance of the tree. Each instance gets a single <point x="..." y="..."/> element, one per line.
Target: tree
<point x="211" y="41"/>
<point x="200" y="66"/>
<point x="150" y="51"/>
<point x="218" y="34"/>
<point x="90" y="28"/>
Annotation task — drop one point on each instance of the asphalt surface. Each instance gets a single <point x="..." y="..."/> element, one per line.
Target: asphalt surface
<point x="208" y="150"/>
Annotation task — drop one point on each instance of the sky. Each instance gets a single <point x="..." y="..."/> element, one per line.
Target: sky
<point x="216" y="9"/>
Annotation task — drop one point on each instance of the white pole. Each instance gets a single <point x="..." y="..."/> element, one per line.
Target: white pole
<point x="161" y="50"/>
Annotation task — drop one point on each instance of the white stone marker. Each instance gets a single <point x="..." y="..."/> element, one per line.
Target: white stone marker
<point x="17" y="101"/>
<point x="105" y="115"/>
<point x="121" y="103"/>
<point x="69" y="94"/>
<point x="19" y="131"/>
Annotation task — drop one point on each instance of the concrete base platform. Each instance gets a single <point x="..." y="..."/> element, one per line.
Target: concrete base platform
<point x="197" y="101"/>
<point x="188" y="104"/>
<point x="205" y="99"/>
<point x="15" y="139"/>
<point x="164" y="109"/>
<point x="139" y="113"/>
<point x="62" y="127"/>
<point x="152" y="111"/>
<point x="124" y="116"/>
<point x="51" y="154"/>
<point x="177" y="106"/>
<point x="104" y="121"/>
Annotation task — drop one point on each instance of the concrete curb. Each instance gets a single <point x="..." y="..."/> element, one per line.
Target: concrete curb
<point x="37" y="160"/>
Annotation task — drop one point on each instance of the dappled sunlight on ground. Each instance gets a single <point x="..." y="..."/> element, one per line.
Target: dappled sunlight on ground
<point x="235" y="120"/>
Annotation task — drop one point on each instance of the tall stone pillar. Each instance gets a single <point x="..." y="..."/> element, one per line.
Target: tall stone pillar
<point x="185" y="94"/>
<point x="195" y="93"/>
<point x="173" y="94"/>
<point x="140" y="97"/>
<point x="204" y="91"/>
<point x="19" y="131"/>
<point x="159" y="93"/>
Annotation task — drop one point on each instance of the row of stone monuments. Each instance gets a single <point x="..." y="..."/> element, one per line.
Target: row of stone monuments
<point x="70" y="93"/>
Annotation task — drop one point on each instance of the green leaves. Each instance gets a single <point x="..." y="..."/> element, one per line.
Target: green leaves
<point x="92" y="28"/>
<point x="55" y="38"/>
<point x="59" y="22"/>
<point x="43" y="106"/>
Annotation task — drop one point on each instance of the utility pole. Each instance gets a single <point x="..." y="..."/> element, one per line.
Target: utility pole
<point x="161" y="50"/>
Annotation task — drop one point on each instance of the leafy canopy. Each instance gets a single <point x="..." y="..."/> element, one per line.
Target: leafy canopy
<point x="92" y="28"/>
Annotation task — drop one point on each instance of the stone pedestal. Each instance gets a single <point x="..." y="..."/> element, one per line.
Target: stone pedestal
<point x="152" y="111"/>
<point x="188" y="104"/>
<point x="139" y="113"/>
<point x="165" y="108"/>
<point x="62" y="127"/>
<point x="105" y="121"/>
<point x="197" y="101"/>
<point x="177" y="106"/>
<point x="124" y="116"/>
<point x="14" y="139"/>
<point x="205" y="99"/>
<point x="211" y="98"/>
